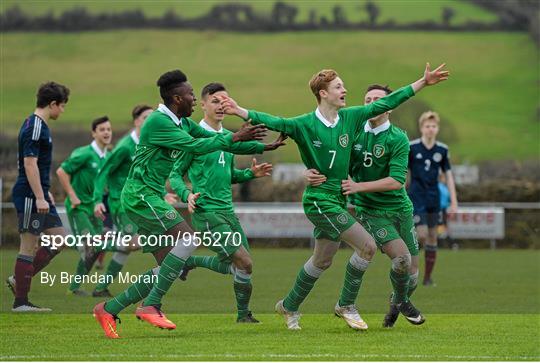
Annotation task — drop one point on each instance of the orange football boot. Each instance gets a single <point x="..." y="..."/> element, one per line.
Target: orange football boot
<point x="154" y="316"/>
<point x="106" y="320"/>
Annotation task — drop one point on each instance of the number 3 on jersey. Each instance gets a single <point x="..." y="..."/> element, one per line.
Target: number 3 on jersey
<point x="221" y="159"/>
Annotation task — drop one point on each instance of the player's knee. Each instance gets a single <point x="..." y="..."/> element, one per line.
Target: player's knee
<point x="369" y="249"/>
<point x="402" y="264"/>
<point x="322" y="263"/>
<point x="246" y="264"/>
<point x="184" y="247"/>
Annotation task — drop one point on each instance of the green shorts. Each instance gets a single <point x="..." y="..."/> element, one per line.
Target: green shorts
<point x="227" y="235"/>
<point x="120" y="218"/>
<point x="149" y="212"/>
<point x="83" y="221"/>
<point x="328" y="212"/>
<point x="386" y="226"/>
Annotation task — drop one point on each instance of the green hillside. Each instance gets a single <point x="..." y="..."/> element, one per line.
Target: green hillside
<point x="400" y="11"/>
<point x="489" y="105"/>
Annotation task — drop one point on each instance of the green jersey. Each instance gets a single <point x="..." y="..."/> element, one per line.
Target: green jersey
<point x="211" y="175"/>
<point x="327" y="146"/>
<point x="164" y="137"/>
<point x="116" y="168"/>
<point x="83" y="165"/>
<point x="379" y="153"/>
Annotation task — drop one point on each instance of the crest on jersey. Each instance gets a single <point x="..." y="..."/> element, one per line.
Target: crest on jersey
<point x="35" y="224"/>
<point x="437" y="157"/>
<point x="174" y="153"/>
<point x="419" y="156"/>
<point x="342" y="218"/>
<point x="382" y="233"/>
<point x="170" y="214"/>
<point x="378" y="150"/>
<point x="344" y="140"/>
<point x="94" y="165"/>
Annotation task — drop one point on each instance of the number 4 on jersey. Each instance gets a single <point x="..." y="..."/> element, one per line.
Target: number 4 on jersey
<point x="221" y="159"/>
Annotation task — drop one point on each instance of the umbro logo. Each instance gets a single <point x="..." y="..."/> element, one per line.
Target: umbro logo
<point x="317" y="143"/>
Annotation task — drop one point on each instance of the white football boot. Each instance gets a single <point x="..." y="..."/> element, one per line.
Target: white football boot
<point x="291" y="317"/>
<point x="350" y="314"/>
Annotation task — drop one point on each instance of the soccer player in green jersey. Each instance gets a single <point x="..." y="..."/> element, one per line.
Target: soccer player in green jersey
<point x="379" y="171"/>
<point x="325" y="139"/>
<point x="113" y="174"/>
<point x="77" y="175"/>
<point x="210" y="201"/>
<point x="166" y="133"/>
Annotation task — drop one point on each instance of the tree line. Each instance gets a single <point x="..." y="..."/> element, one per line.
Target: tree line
<point x="283" y="17"/>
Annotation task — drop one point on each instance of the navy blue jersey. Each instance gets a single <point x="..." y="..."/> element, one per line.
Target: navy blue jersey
<point x="34" y="141"/>
<point x="425" y="165"/>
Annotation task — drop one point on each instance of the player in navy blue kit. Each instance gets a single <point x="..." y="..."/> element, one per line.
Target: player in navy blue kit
<point x="427" y="158"/>
<point x="33" y="201"/>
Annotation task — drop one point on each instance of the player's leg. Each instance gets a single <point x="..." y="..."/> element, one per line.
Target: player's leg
<point x="308" y="275"/>
<point x="218" y="226"/>
<point x="430" y="246"/>
<point x="403" y="229"/>
<point x="24" y="271"/>
<point x="243" y="268"/>
<point x="31" y="225"/>
<point x="81" y="225"/>
<point x="364" y="248"/>
<point x="400" y="255"/>
<point x="119" y="258"/>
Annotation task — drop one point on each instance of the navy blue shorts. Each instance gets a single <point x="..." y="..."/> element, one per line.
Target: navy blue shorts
<point x="30" y="220"/>
<point x="427" y="214"/>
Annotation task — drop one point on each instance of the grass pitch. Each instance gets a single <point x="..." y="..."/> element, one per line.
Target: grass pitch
<point x="486" y="307"/>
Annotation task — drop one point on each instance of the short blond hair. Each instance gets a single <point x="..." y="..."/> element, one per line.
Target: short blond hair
<point x="428" y="116"/>
<point x="321" y="80"/>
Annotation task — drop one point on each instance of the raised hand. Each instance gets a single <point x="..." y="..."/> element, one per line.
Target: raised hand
<point x="249" y="132"/>
<point x="229" y="105"/>
<point x="313" y="177"/>
<point x="435" y="76"/>
<point x="260" y="170"/>
<point x="192" y="201"/>
<point x="277" y="143"/>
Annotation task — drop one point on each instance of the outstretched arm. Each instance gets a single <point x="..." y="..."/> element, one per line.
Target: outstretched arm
<point x="399" y="96"/>
<point x="275" y="123"/>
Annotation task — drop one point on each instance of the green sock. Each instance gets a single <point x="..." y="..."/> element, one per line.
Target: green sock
<point x="169" y="270"/>
<point x="113" y="269"/>
<point x="81" y="271"/>
<point x="351" y="285"/>
<point x="242" y="292"/>
<point x="301" y="288"/>
<point x="210" y="262"/>
<point x="136" y="292"/>
<point x="413" y="283"/>
<point x="400" y="283"/>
